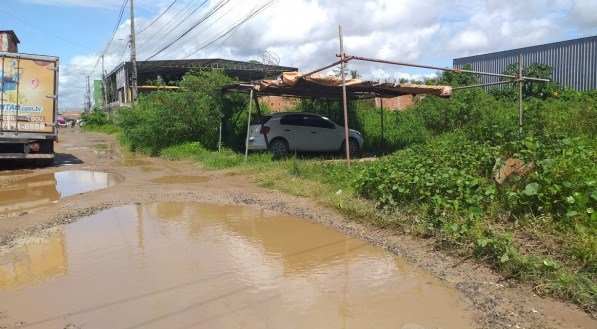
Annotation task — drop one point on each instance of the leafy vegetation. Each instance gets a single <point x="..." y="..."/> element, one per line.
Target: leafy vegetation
<point x="165" y="118"/>
<point x="99" y="121"/>
<point x="438" y="179"/>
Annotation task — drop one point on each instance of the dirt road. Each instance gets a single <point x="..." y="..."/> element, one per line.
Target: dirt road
<point x="493" y="302"/>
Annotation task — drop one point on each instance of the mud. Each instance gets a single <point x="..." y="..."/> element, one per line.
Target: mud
<point x="494" y="302"/>
<point x="37" y="192"/>
<point x="185" y="265"/>
<point x="180" y="179"/>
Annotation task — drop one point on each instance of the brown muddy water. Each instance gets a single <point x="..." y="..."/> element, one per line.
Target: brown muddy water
<point x="182" y="265"/>
<point x="181" y="179"/>
<point x="39" y="191"/>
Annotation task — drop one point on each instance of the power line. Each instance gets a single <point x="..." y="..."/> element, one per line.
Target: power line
<point x="206" y="16"/>
<point x="124" y="3"/>
<point x="230" y="30"/>
<point x="158" y="38"/>
<point x="155" y="20"/>
<point x="44" y="30"/>
<point x="206" y="28"/>
<point x="233" y="29"/>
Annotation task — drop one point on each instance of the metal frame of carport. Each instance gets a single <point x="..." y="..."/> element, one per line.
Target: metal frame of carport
<point x="344" y="58"/>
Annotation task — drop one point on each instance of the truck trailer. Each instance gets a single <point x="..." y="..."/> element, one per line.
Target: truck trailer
<point x="28" y="107"/>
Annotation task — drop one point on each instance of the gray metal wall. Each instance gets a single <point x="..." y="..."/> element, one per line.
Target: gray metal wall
<point x="574" y="62"/>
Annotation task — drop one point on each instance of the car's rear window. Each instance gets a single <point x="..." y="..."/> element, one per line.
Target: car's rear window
<point x="294" y="120"/>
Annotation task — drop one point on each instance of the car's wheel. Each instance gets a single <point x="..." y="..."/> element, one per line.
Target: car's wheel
<point x="353" y="147"/>
<point x="279" y="147"/>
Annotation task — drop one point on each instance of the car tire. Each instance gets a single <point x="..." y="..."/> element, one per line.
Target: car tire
<point x="279" y="147"/>
<point x="353" y="147"/>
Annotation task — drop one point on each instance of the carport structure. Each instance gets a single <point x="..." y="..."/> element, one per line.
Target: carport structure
<point x="315" y="85"/>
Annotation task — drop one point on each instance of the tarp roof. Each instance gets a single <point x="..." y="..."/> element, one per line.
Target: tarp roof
<point x="294" y="84"/>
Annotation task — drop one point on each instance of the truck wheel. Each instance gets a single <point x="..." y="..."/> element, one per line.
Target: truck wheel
<point x="279" y="147"/>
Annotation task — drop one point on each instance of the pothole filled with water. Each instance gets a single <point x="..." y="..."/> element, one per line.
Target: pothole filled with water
<point x="36" y="192"/>
<point x="105" y="150"/>
<point x="181" y="179"/>
<point x="181" y="265"/>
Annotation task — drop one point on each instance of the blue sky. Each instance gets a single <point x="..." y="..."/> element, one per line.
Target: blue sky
<point x="302" y="33"/>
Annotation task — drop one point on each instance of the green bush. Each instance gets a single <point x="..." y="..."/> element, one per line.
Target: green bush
<point x="563" y="183"/>
<point x="96" y="118"/>
<point x="167" y="118"/>
<point x="450" y="174"/>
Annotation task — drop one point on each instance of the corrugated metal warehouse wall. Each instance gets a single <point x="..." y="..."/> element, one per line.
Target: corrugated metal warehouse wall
<point x="574" y="62"/>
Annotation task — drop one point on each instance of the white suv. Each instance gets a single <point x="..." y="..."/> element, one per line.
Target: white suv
<point x="297" y="131"/>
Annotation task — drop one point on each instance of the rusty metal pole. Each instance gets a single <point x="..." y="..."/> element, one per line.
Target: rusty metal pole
<point x="220" y="138"/>
<point x="520" y="82"/>
<point x="344" y="102"/>
<point x="383" y="140"/>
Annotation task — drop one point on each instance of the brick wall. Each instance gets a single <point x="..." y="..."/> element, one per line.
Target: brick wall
<point x="284" y="104"/>
<point x="396" y="103"/>
<point x="279" y="104"/>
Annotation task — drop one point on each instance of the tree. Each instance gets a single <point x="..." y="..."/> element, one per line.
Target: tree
<point x="534" y="89"/>
<point x="457" y="79"/>
<point x="354" y="74"/>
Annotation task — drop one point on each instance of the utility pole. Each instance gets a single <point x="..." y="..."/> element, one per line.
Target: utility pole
<point x="133" y="55"/>
<point x="104" y="92"/>
<point x="344" y="101"/>
<point x="88" y="109"/>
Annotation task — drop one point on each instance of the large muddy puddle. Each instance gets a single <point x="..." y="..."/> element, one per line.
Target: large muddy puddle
<point x="178" y="265"/>
<point x="36" y="192"/>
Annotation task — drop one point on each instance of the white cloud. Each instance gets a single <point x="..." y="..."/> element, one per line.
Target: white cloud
<point x="470" y="40"/>
<point x="304" y="33"/>
<point x="585" y="13"/>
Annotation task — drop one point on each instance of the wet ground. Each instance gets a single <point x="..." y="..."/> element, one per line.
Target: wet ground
<point x="165" y="244"/>
<point x="39" y="191"/>
<point x="187" y="265"/>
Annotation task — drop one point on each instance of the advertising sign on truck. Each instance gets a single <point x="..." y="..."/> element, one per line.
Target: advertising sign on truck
<point x="26" y="85"/>
<point x="28" y="105"/>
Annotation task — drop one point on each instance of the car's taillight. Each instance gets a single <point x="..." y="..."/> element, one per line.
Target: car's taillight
<point x="264" y="130"/>
<point x="34" y="147"/>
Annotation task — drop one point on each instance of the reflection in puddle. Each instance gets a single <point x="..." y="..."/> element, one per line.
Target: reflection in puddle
<point x="105" y="150"/>
<point x="34" y="262"/>
<point x="39" y="191"/>
<point x="181" y="179"/>
<point x="131" y="159"/>
<point x="177" y="265"/>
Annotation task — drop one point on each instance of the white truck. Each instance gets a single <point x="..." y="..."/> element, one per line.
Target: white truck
<point x="28" y="107"/>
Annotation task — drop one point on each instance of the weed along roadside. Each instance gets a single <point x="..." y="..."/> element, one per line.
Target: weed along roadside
<point x="436" y="178"/>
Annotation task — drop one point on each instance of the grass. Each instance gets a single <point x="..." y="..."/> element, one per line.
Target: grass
<point x="109" y="128"/>
<point x="530" y="253"/>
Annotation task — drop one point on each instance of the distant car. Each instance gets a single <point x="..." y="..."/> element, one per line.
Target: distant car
<point x="297" y="131"/>
<point x="61" y="122"/>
